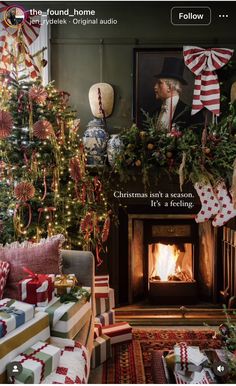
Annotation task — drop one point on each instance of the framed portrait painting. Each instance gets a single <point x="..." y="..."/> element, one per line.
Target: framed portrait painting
<point x="149" y="62"/>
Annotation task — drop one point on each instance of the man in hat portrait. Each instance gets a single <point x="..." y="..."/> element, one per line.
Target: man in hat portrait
<point x="172" y="111"/>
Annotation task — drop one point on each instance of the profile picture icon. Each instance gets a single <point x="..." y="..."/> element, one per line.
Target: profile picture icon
<point x="14" y="16"/>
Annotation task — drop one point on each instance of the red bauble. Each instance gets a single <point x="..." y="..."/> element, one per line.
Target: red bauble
<point x="43" y="129"/>
<point x="6" y="123"/>
<point x="24" y="191"/>
<point x="38" y="94"/>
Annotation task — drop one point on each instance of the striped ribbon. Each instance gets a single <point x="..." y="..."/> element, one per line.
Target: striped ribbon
<point x="203" y="63"/>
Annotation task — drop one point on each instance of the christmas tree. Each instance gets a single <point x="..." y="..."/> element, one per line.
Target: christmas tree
<point x="45" y="186"/>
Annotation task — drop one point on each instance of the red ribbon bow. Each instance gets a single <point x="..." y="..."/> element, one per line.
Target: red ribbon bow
<point x="203" y="63"/>
<point x="32" y="274"/>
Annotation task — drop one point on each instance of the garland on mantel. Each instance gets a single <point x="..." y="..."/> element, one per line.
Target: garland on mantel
<point x="195" y="154"/>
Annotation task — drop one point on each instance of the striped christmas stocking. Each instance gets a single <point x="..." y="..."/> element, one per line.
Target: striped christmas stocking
<point x="227" y="210"/>
<point x="210" y="204"/>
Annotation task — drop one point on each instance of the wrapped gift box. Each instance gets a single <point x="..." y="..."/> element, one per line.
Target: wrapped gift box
<point x="105" y="304"/>
<point x="106" y="318"/>
<point x="38" y="362"/>
<point x="36" y="289"/>
<point x="73" y="366"/>
<point x="13" y="314"/>
<point x="101" y="286"/>
<point x="101" y="351"/>
<point x="64" y="283"/>
<point x="188" y="358"/>
<point x="19" y="340"/>
<point x="67" y="319"/>
<point x="118" y="332"/>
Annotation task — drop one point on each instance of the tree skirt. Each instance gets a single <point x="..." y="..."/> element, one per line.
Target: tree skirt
<point x="131" y="362"/>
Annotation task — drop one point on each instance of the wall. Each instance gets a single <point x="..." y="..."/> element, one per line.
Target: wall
<point x="75" y="49"/>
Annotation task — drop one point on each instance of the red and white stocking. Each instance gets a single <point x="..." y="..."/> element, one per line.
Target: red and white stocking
<point x="227" y="210"/>
<point x="210" y="204"/>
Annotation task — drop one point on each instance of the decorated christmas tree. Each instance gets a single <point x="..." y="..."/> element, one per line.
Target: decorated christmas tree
<point x="45" y="186"/>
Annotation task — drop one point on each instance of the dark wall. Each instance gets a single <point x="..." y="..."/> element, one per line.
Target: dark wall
<point x="84" y="55"/>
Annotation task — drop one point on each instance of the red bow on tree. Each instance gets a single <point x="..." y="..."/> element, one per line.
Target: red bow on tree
<point x="203" y="63"/>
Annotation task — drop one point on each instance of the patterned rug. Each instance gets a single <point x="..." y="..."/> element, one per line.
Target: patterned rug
<point x="131" y="362"/>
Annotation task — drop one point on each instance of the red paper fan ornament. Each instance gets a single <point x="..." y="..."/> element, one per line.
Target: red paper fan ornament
<point x="43" y="129"/>
<point x="38" y="94"/>
<point x="24" y="191"/>
<point x="6" y="124"/>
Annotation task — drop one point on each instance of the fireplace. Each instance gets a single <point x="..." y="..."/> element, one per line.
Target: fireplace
<point x="171" y="259"/>
<point x="172" y="250"/>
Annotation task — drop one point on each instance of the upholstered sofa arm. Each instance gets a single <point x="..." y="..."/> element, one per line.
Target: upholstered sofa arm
<point x="81" y="264"/>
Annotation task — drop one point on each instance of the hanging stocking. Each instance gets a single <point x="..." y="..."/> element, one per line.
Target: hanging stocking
<point x="210" y="204"/>
<point x="227" y="210"/>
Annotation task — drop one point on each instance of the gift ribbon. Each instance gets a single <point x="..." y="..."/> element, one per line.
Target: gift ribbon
<point x="32" y="274"/>
<point x="203" y="63"/>
<point x="32" y="357"/>
<point x="183" y="355"/>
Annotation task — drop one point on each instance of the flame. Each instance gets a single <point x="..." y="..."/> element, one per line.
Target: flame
<point x="165" y="257"/>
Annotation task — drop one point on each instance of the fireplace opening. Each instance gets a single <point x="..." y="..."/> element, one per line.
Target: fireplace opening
<point x="170" y="262"/>
<point x="170" y="274"/>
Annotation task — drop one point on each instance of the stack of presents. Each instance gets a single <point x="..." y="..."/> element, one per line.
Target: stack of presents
<point x="39" y="331"/>
<point x="106" y="331"/>
<point x="189" y="365"/>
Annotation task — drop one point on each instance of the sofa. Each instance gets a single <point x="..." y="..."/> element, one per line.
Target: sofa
<point x="82" y="265"/>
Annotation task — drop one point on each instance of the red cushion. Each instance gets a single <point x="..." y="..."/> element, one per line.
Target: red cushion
<point x="43" y="257"/>
<point x="4" y="271"/>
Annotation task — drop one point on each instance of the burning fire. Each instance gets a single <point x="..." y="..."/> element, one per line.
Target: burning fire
<point x="165" y="258"/>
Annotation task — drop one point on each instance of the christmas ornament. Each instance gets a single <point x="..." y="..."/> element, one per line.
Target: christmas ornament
<point x="24" y="191"/>
<point x="150" y="146"/>
<point x="210" y="203"/>
<point x="38" y="94"/>
<point x="169" y="154"/>
<point x="142" y="134"/>
<point x="75" y="170"/>
<point x="138" y="163"/>
<point x="227" y="210"/>
<point x="203" y="63"/>
<point x="43" y="130"/>
<point x="106" y="229"/>
<point x="6" y="123"/>
<point x="87" y="225"/>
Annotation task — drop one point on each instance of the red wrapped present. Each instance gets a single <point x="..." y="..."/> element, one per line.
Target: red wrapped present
<point x="36" y="289"/>
<point x="101" y="288"/>
<point x="118" y="332"/>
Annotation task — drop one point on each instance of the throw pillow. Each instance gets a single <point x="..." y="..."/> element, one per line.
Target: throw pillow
<point x="42" y="257"/>
<point x="4" y="271"/>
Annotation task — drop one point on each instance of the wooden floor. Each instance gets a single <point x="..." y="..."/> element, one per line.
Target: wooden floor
<point x="144" y="314"/>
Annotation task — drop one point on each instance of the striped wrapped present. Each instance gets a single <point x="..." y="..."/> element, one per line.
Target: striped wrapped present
<point x="73" y="366"/>
<point x="97" y="330"/>
<point x="13" y="314"/>
<point x="67" y="319"/>
<point x="105" y="304"/>
<point x="37" y="363"/>
<point x="197" y="378"/>
<point x="101" y="286"/>
<point x="19" y="340"/>
<point x="118" y="332"/>
<point x="101" y="350"/>
<point x="106" y="318"/>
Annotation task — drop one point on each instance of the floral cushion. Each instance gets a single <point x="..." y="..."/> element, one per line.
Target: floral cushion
<point x="4" y="271"/>
<point x="42" y="257"/>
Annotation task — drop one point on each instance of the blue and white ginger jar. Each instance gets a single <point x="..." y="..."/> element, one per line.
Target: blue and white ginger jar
<point x="95" y="142"/>
<point x="114" y="147"/>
